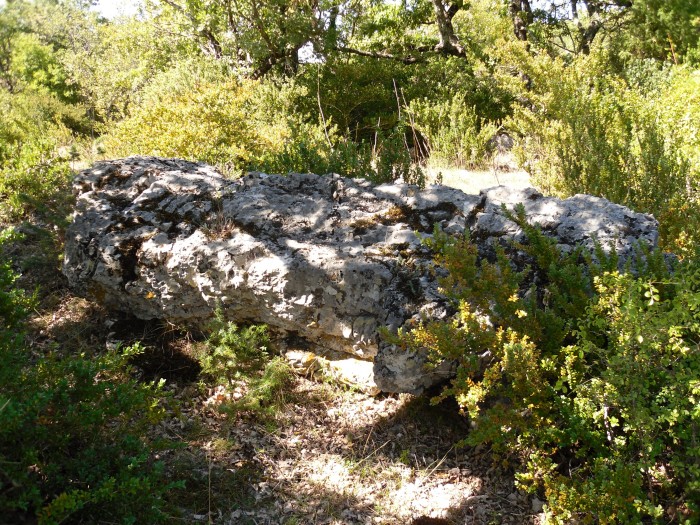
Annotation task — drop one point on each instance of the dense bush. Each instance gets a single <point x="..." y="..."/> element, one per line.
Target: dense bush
<point x="110" y="64"/>
<point x="680" y="116"/>
<point x="588" y="131"/>
<point x="37" y="66"/>
<point x="592" y="380"/>
<point x="193" y="113"/>
<point x="199" y="112"/>
<point x="74" y="444"/>
<point x="33" y="126"/>
<point x="455" y="135"/>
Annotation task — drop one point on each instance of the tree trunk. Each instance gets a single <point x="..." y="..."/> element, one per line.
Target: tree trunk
<point x="449" y="43"/>
<point x="521" y="13"/>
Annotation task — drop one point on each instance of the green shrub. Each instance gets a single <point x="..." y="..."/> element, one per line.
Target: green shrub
<point x="73" y="431"/>
<point x="391" y="158"/>
<point x="200" y="113"/>
<point x="37" y="65"/>
<point x="456" y="135"/>
<point x="591" y="380"/>
<point x="204" y="121"/>
<point x="239" y="358"/>
<point x="588" y="131"/>
<point x="234" y="353"/>
<point x="679" y="99"/>
<point x="32" y="175"/>
<point x="265" y="393"/>
<point x="14" y="302"/>
<point x="73" y="443"/>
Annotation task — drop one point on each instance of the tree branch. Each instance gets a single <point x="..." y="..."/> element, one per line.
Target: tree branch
<point x="453" y="10"/>
<point x="274" y="52"/>
<point x="380" y="55"/>
<point x="214" y="43"/>
<point x="449" y="43"/>
<point x="264" y="68"/>
<point x="521" y="14"/>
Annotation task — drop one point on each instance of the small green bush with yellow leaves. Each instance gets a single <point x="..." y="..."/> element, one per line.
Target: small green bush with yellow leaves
<point x="591" y="382"/>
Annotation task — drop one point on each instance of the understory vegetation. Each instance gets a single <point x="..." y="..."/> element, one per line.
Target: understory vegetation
<point x="588" y="388"/>
<point x="590" y="381"/>
<point x="73" y="428"/>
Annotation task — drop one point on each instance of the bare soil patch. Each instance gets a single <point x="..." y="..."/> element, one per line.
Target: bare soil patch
<point x="503" y="171"/>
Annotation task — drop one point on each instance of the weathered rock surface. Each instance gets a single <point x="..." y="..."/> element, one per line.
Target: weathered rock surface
<point x="325" y="259"/>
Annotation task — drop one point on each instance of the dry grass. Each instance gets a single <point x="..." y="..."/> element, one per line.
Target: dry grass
<point x="503" y="172"/>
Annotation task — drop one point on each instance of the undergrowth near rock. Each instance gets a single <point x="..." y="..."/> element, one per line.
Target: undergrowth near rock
<point x="320" y="452"/>
<point x="591" y="379"/>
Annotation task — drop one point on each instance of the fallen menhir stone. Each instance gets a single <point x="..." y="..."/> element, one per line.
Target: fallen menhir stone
<point x="323" y="259"/>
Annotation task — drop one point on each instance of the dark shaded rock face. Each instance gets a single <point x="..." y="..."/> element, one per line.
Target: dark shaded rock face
<point x="321" y="258"/>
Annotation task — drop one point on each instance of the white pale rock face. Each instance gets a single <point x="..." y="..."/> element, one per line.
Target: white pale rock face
<point x="327" y="259"/>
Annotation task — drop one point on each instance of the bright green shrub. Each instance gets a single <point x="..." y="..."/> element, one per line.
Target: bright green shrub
<point x="204" y="121"/>
<point x="591" y="381"/>
<point x="679" y="101"/>
<point x="196" y="111"/>
<point x="663" y="29"/>
<point x="306" y="145"/>
<point x="633" y="399"/>
<point x="32" y="175"/>
<point x="456" y="135"/>
<point x="38" y="66"/>
<point x="239" y="357"/>
<point x="199" y="113"/>
<point x="588" y="131"/>
<point x="111" y="63"/>
<point x="74" y="445"/>
<point x="234" y="353"/>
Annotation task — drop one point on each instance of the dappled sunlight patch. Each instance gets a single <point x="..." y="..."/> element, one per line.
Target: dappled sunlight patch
<point x="342" y="457"/>
<point x="504" y="171"/>
<point x="73" y="321"/>
<point x="436" y="495"/>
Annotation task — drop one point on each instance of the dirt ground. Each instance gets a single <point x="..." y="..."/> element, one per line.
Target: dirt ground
<point x="336" y="457"/>
<point x="328" y="455"/>
<point x="503" y="171"/>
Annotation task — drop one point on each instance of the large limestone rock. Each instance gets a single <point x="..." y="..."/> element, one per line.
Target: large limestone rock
<point x="322" y="259"/>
